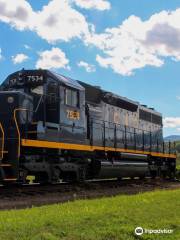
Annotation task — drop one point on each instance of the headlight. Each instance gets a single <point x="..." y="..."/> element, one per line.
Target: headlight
<point x="10" y="99"/>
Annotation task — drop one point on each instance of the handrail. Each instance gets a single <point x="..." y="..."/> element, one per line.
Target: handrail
<point x="101" y="122"/>
<point x="19" y="135"/>
<point x="37" y="107"/>
<point x="159" y="145"/>
<point x="2" y="145"/>
<point x="17" y="127"/>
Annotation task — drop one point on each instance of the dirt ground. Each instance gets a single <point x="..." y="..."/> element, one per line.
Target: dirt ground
<point x="35" y="195"/>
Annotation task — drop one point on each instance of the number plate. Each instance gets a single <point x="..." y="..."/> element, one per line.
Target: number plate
<point x="73" y="115"/>
<point x="34" y="79"/>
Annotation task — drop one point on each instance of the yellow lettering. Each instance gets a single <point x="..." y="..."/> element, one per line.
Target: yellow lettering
<point x="73" y="115"/>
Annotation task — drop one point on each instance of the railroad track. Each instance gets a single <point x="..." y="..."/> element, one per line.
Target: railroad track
<point x="36" y="195"/>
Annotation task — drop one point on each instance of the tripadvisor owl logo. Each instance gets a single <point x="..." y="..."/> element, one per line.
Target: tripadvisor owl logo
<point x="138" y="231"/>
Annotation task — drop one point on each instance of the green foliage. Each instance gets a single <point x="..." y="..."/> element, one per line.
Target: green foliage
<point x="178" y="147"/>
<point x="178" y="162"/>
<point x="100" y="219"/>
<point x="178" y="156"/>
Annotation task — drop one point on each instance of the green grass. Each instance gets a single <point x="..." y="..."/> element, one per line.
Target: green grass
<point x="105" y="219"/>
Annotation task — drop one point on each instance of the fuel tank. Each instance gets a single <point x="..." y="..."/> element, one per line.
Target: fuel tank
<point x="129" y="165"/>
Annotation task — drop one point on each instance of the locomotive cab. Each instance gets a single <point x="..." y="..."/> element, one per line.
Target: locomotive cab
<point x="65" y="109"/>
<point x="58" y="103"/>
<point x="38" y="105"/>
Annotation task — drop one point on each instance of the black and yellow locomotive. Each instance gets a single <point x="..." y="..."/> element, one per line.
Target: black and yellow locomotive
<point x="58" y="129"/>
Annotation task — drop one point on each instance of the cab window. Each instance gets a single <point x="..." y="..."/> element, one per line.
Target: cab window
<point x="71" y="97"/>
<point x="52" y="92"/>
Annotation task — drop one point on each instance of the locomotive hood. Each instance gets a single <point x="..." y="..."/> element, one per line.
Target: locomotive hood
<point x="68" y="81"/>
<point x="37" y="77"/>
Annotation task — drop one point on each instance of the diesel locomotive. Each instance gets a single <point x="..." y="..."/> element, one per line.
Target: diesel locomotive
<point x="58" y="129"/>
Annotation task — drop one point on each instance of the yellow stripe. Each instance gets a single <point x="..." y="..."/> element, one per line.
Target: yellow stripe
<point x="70" y="146"/>
<point x="46" y="144"/>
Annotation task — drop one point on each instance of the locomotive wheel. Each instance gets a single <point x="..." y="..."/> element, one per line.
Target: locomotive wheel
<point x="119" y="179"/>
<point x="57" y="175"/>
<point x="163" y="174"/>
<point x="42" y="178"/>
<point x="153" y="174"/>
<point x="171" y="175"/>
<point x="142" y="177"/>
<point x="82" y="174"/>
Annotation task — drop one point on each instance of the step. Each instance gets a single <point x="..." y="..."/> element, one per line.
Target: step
<point x="5" y="151"/>
<point x="9" y="179"/>
<point x="5" y="165"/>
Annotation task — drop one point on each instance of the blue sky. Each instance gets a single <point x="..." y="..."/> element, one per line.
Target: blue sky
<point x="128" y="47"/>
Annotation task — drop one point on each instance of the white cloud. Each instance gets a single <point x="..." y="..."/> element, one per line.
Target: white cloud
<point x="52" y="59"/>
<point x="19" y="58"/>
<point x="18" y="14"/>
<point x="94" y="4"/>
<point x="88" y="67"/>
<point x="27" y="46"/>
<point x="56" y="21"/>
<point x="178" y="97"/>
<point x="59" y="21"/>
<point x="135" y="43"/>
<point x="132" y="45"/>
<point x="171" y="122"/>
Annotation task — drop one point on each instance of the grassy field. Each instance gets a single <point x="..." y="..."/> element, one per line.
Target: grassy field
<point x="105" y="219"/>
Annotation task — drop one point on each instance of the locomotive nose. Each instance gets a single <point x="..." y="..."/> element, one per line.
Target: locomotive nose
<point x="11" y="117"/>
<point x="8" y="102"/>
